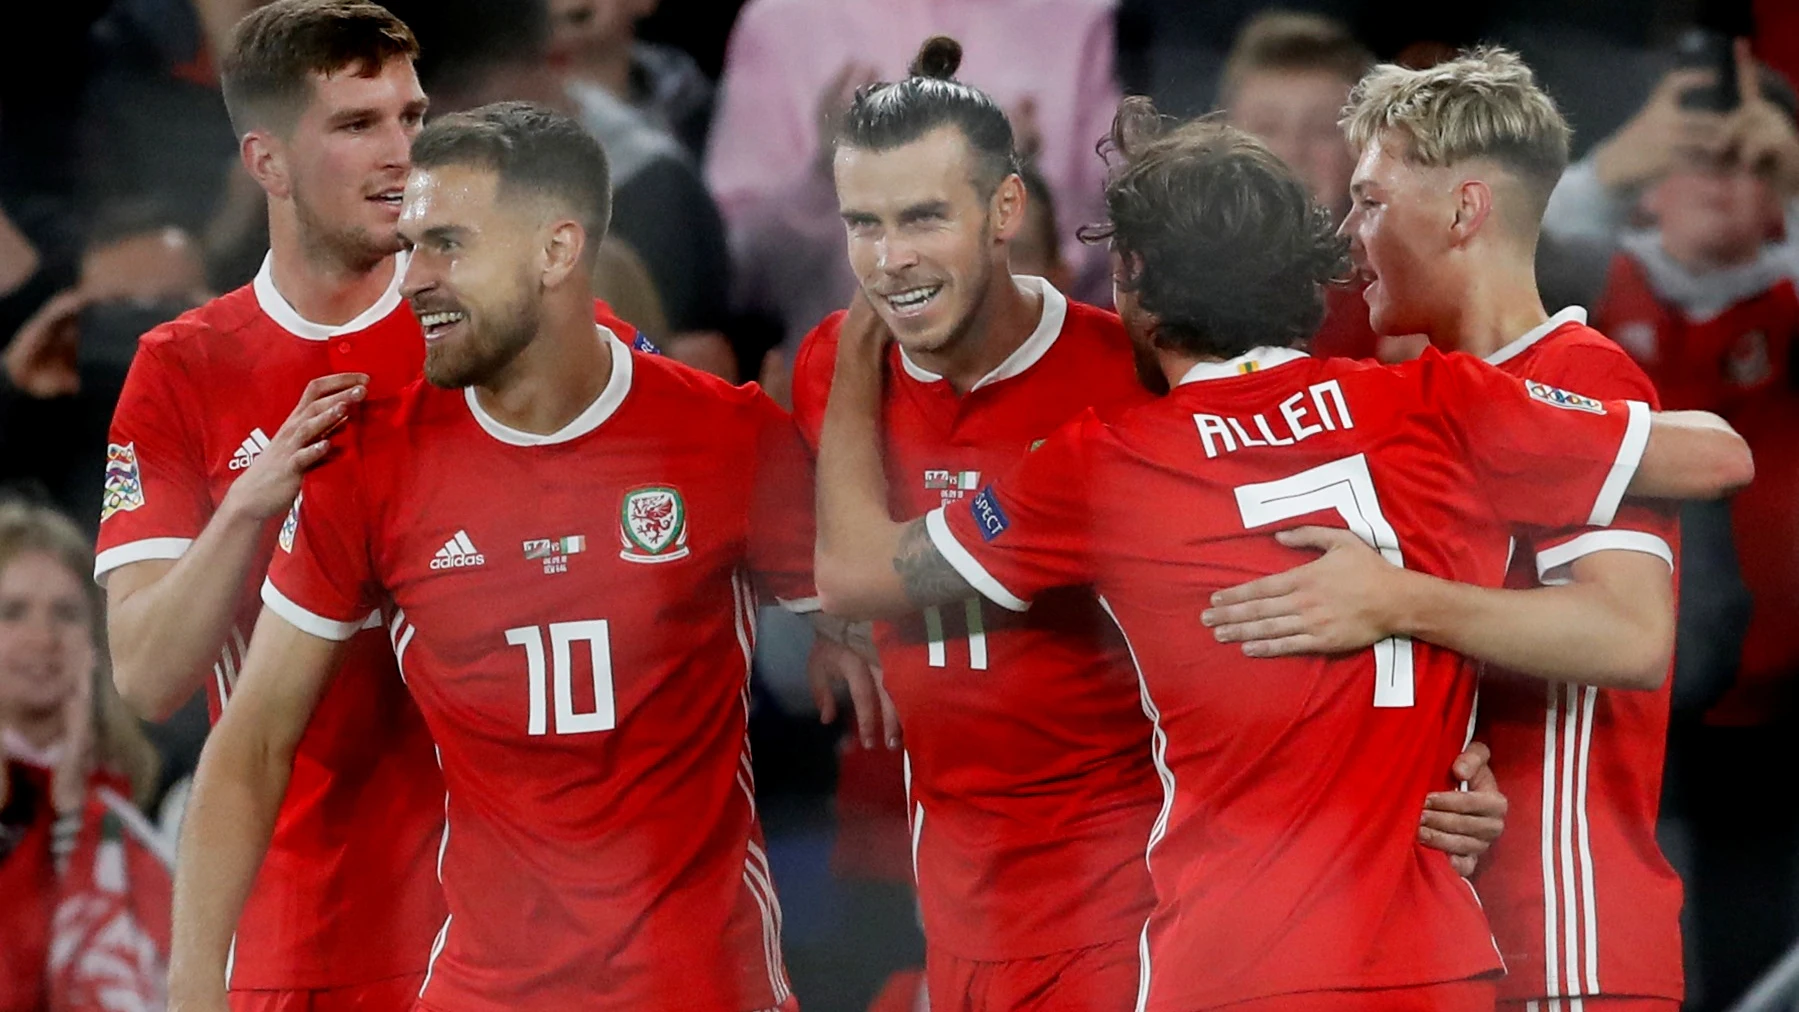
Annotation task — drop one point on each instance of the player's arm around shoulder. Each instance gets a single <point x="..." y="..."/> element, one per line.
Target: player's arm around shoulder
<point x="238" y="789"/>
<point x="166" y="617"/>
<point x="866" y="564"/>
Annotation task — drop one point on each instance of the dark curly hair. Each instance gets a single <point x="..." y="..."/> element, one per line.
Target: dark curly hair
<point x="1221" y="241"/>
<point x="889" y="115"/>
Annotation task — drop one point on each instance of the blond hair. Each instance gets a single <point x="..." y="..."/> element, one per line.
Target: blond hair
<point x="1292" y="42"/>
<point x="1484" y="104"/>
<point x="120" y="744"/>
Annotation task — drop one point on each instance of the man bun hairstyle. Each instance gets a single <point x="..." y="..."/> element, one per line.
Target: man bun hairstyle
<point x="1485" y="103"/>
<point x="1220" y="240"/>
<point x="535" y="151"/>
<point x="889" y="115"/>
<point x="275" y="50"/>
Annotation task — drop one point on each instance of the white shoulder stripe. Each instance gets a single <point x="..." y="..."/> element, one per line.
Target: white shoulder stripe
<point x="138" y="551"/>
<point x="306" y="621"/>
<point x="1552" y="562"/>
<point x="1624" y="468"/>
<point x="966" y="565"/>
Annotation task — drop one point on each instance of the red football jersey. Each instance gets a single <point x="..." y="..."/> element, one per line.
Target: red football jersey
<point x="1031" y="789"/>
<point x="1286" y="857"/>
<point x="1581" y="899"/>
<point x="1345" y="332"/>
<point x="1715" y="363"/>
<point x="573" y="614"/>
<point x="346" y="894"/>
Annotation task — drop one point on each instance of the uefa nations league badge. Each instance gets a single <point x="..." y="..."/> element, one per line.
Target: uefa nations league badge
<point x="652" y="525"/>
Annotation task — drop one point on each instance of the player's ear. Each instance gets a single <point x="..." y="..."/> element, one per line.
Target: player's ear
<point x="563" y="244"/>
<point x="1473" y="206"/>
<point x="265" y="158"/>
<point x="1007" y="208"/>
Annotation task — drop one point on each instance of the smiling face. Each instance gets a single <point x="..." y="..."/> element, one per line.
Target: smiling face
<point x="924" y="242"/>
<point x="46" y="638"/>
<point x="1399" y="227"/>
<point x="346" y="159"/>
<point x="471" y="278"/>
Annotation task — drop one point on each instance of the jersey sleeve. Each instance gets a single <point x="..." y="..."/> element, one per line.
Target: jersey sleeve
<point x="1541" y="455"/>
<point x="321" y="579"/>
<point x="156" y="498"/>
<point x="813" y="366"/>
<point x="782" y="525"/>
<point x="1031" y="530"/>
<point x="1643" y="526"/>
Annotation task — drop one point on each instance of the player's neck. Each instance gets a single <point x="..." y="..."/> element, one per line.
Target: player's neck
<point x="321" y="287"/>
<point x="558" y="375"/>
<point x="1005" y="319"/>
<point x="1499" y="304"/>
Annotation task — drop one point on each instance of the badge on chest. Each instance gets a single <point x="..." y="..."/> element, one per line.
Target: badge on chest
<point x="652" y="525"/>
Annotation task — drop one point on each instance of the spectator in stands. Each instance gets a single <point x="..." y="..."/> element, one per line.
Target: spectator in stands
<point x="1286" y="80"/>
<point x="1704" y="299"/>
<point x="793" y="66"/>
<point x="594" y="43"/>
<point x="660" y="208"/>
<point x="74" y="767"/>
<point x="1599" y="198"/>
<point x="64" y="367"/>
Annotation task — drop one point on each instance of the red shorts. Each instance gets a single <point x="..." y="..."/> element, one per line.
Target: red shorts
<point x="1455" y="996"/>
<point x="1099" y="978"/>
<point x="395" y="994"/>
<point x="1599" y="1003"/>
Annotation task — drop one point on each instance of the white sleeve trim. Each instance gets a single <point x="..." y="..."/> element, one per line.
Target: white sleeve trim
<point x="799" y="605"/>
<point x="305" y="621"/>
<point x="138" y="551"/>
<point x="1624" y="468"/>
<point x="1552" y="563"/>
<point x="963" y="563"/>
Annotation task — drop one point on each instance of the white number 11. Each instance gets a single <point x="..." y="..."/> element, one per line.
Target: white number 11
<point x="1345" y="486"/>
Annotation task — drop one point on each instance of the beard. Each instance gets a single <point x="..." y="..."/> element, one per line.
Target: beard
<point x="475" y="358"/>
<point x="352" y="246"/>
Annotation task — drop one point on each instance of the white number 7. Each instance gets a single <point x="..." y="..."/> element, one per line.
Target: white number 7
<point x="1344" y="486"/>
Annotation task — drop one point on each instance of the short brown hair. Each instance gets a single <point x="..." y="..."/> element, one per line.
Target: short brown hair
<point x="1223" y="242"/>
<point x="1485" y="103"/>
<point x="1293" y="42"/>
<point x="533" y="150"/>
<point x="275" y="50"/>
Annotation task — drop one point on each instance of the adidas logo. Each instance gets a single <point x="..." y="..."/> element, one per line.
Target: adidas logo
<point x="457" y="552"/>
<point x="246" y="454"/>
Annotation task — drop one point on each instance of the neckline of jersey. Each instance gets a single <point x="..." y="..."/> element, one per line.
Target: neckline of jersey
<point x="1252" y="361"/>
<point x="277" y="308"/>
<point x="603" y="407"/>
<point x="1572" y="314"/>
<point x="1049" y="327"/>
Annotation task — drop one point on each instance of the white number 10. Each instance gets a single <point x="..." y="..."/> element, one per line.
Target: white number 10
<point x="1344" y="486"/>
<point x="562" y="636"/>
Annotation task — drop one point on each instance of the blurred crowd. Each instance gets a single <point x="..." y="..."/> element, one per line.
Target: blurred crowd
<point x="122" y="203"/>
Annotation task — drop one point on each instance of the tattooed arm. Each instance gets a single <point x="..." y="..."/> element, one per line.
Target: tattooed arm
<point x="868" y="566"/>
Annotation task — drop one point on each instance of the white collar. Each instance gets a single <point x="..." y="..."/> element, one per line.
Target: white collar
<point x="1049" y="327"/>
<point x="1573" y="314"/>
<point x="282" y="312"/>
<point x="603" y="407"/>
<point x="14" y="745"/>
<point x="1253" y="360"/>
